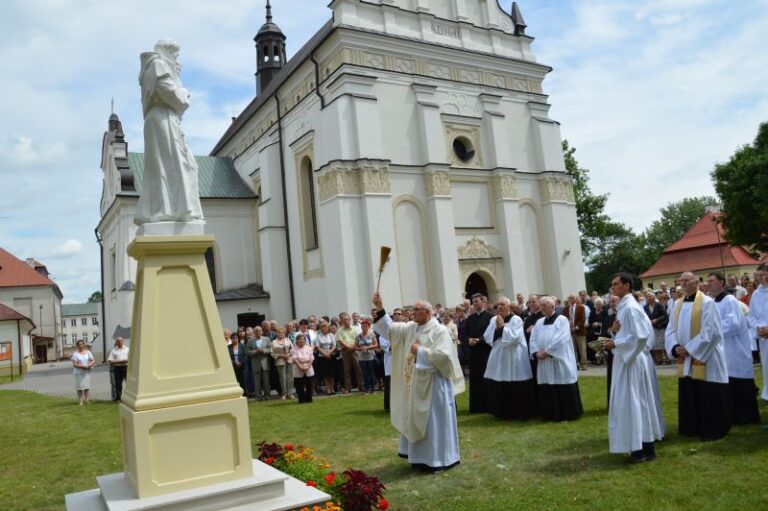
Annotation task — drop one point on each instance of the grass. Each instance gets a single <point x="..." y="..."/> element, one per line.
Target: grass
<point x="6" y="378"/>
<point x="52" y="447"/>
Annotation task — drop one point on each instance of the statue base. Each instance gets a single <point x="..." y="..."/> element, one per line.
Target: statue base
<point x="267" y="490"/>
<point x="191" y="228"/>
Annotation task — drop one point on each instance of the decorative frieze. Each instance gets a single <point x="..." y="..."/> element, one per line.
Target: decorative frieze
<point x="437" y="184"/>
<point x="477" y="248"/>
<point x="354" y="178"/>
<point x="557" y="189"/>
<point x="504" y="187"/>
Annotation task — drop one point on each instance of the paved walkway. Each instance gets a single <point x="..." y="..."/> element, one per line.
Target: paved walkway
<point x="56" y="379"/>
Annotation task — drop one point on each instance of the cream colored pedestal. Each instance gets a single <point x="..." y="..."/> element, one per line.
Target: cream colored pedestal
<point x="184" y="421"/>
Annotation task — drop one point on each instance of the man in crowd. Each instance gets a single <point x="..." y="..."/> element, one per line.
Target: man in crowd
<point x="474" y="329"/>
<point x="733" y="283"/>
<point x="534" y="314"/>
<point x="758" y="321"/>
<point x="738" y="352"/>
<point x="694" y="337"/>
<point x="578" y="316"/>
<point x="426" y="377"/>
<point x="559" y="398"/>
<point x="258" y="347"/>
<point x="118" y="366"/>
<point x="347" y="336"/>
<point x="385" y="345"/>
<point x="633" y="422"/>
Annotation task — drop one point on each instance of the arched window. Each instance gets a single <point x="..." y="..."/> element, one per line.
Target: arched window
<point x="308" y="207"/>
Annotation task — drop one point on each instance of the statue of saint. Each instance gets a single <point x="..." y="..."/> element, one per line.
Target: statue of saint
<point x="169" y="201"/>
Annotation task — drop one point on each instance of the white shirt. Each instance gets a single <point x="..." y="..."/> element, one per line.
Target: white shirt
<point x="508" y="360"/>
<point x="554" y="339"/>
<point x="738" y="345"/>
<point x="118" y="355"/>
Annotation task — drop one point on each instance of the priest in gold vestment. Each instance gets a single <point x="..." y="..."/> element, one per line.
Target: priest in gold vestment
<point x="426" y="376"/>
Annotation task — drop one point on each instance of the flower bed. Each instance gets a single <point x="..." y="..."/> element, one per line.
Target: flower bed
<point x="353" y="490"/>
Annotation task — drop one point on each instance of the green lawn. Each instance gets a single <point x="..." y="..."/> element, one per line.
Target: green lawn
<point x="6" y="378"/>
<point x="50" y="447"/>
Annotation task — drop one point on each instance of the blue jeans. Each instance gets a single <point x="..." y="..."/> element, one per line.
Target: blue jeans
<point x="369" y="373"/>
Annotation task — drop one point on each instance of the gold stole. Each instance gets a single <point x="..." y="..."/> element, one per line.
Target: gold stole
<point x="698" y="368"/>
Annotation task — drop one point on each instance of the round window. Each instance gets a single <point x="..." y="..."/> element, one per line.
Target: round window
<point x="463" y="148"/>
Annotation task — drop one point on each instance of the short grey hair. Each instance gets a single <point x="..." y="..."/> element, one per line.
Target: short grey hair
<point x="547" y="299"/>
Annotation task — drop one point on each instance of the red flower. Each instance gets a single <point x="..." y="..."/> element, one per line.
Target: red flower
<point x="312" y="484"/>
<point x="330" y="478"/>
<point x="288" y="447"/>
<point x="269" y="460"/>
<point x="383" y="504"/>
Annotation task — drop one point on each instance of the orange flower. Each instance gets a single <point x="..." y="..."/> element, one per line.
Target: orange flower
<point x="312" y="484"/>
<point x="288" y="447"/>
<point x="383" y="504"/>
<point x="330" y="478"/>
<point x="269" y="460"/>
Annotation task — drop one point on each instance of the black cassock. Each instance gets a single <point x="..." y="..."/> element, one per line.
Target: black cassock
<point x="479" y="389"/>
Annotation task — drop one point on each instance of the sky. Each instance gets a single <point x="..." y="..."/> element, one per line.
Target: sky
<point x="652" y="94"/>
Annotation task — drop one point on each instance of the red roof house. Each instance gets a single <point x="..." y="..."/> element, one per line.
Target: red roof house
<point x="702" y="249"/>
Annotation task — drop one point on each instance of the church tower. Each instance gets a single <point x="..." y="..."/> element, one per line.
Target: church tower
<point x="270" y="52"/>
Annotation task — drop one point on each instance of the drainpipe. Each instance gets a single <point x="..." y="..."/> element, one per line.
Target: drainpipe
<point x="103" y="297"/>
<point x="317" y="81"/>
<point x="285" y="205"/>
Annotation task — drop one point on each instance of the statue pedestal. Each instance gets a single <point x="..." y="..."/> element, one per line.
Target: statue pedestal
<point x="184" y="421"/>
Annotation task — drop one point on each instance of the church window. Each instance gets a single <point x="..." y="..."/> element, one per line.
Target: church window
<point x="463" y="149"/>
<point x="276" y="53"/>
<point x="308" y="207"/>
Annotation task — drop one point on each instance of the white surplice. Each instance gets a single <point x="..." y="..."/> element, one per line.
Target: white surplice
<point x="508" y="360"/>
<point x="423" y="388"/>
<point x="738" y="345"/>
<point x="707" y="346"/>
<point x="758" y="317"/>
<point x="554" y="339"/>
<point x="633" y="417"/>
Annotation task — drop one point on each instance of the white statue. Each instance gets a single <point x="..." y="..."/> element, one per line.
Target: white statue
<point x="169" y="201"/>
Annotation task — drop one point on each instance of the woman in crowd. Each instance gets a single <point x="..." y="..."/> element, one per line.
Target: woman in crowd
<point x="83" y="362"/>
<point x="238" y="353"/>
<point x="326" y="350"/>
<point x="281" y="352"/>
<point x="365" y="347"/>
<point x="302" y="368"/>
<point x="750" y="287"/>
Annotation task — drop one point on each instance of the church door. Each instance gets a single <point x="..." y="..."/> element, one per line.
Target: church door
<point x="475" y="284"/>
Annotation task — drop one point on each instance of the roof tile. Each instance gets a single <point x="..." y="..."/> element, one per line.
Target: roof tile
<point x="17" y="273"/>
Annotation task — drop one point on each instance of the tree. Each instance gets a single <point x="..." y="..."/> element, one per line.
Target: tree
<point x="675" y="220"/>
<point x="96" y="296"/>
<point x="589" y="207"/>
<point x="620" y="250"/>
<point x="742" y="185"/>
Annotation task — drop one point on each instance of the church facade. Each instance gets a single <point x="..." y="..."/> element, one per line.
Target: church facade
<point x="417" y="124"/>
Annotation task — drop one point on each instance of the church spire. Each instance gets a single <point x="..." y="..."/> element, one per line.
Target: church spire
<point x="114" y="125"/>
<point x="517" y="19"/>
<point x="270" y="52"/>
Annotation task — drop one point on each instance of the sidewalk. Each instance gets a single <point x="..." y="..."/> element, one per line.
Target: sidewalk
<point x="56" y="379"/>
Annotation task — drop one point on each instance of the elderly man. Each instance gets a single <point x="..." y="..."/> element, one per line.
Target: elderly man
<point x="738" y="352"/>
<point x="474" y="328"/>
<point x="633" y="422"/>
<point x="118" y="366"/>
<point x="426" y="376"/>
<point x="556" y="374"/>
<point x="258" y="347"/>
<point x="578" y="315"/>
<point x="694" y="337"/>
<point x="509" y="373"/>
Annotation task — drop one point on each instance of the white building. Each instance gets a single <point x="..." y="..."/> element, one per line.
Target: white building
<point x="82" y="322"/>
<point x="26" y="287"/>
<point x="417" y="124"/>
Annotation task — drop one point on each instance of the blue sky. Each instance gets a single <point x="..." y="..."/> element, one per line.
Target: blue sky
<point x="651" y="94"/>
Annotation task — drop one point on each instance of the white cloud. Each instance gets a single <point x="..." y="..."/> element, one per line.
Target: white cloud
<point x="68" y="249"/>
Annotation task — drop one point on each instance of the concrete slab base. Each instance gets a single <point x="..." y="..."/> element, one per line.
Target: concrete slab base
<point x="267" y="490"/>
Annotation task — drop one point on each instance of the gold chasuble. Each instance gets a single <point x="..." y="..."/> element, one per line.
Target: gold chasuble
<point x="698" y="368"/>
<point x="411" y="393"/>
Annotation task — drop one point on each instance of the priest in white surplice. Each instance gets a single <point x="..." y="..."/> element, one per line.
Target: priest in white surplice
<point x="510" y="380"/>
<point x="738" y="352"/>
<point x="559" y="398"/>
<point x="426" y="376"/>
<point x="758" y="321"/>
<point x="634" y="423"/>
<point x="694" y="337"/>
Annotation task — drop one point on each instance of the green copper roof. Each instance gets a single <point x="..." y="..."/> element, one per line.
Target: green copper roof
<point x="217" y="179"/>
<point x="80" y="309"/>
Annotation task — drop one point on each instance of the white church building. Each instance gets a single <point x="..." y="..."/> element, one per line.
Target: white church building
<point x="421" y="125"/>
